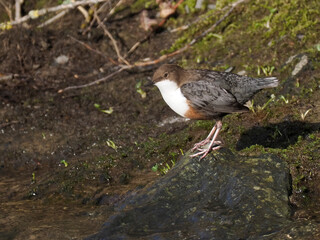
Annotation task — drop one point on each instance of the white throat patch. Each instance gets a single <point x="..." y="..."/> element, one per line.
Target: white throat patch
<point x="172" y="95"/>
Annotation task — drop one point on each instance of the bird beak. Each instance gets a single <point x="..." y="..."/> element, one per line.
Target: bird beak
<point x="149" y="83"/>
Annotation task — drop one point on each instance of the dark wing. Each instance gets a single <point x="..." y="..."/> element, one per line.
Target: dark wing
<point x="211" y="99"/>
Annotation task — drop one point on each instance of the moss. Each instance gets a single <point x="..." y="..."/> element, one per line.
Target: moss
<point x="204" y="21"/>
<point x="303" y="155"/>
<point x="189" y="4"/>
<point x="259" y="37"/>
<point x="39" y="4"/>
<point x="294" y="17"/>
<point x="223" y="3"/>
<point x="259" y="34"/>
<point x="166" y="149"/>
<point x="204" y="124"/>
<point x="142" y="4"/>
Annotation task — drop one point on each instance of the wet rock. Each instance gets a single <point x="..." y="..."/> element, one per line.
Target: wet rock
<point x="225" y="196"/>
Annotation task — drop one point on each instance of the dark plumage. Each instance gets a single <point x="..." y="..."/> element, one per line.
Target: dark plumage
<point x="208" y="94"/>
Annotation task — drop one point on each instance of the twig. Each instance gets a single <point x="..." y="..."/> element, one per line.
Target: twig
<point x="184" y="27"/>
<point x="38" y="13"/>
<point x="137" y="44"/>
<point x="18" y="9"/>
<point x="8" y="124"/>
<point x="112" y="11"/>
<point x="123" y="67"/>
<point x="56" y="17"/>
<point x="93" y="19"/>
<point x="106" y="32"/>
<point x="162" y="58"/>
<point x="134" y="47"/>
<point x="8" y="9"/>
<point x="93" y="50"/>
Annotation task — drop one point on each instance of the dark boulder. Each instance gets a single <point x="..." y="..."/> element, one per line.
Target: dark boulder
<point x="225" y="196"/>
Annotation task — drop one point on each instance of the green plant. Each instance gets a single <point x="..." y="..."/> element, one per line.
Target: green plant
<point x="284" y="99"/>
<point x="33" y="180"/>
<point x="109" y="111"/>
<point x="272" y="98"/>
<point x="267" y="70"/>
<point x="64" y="162"/>
<point x="111" y="144"/>
<point x="163" y="169"/>
<point x="142" y="93"/>
<point x="250" y="105"/>
<point x="303" y="115"/>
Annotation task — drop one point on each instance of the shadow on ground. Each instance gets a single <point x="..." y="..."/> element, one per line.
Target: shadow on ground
<point x="280" y="135"/>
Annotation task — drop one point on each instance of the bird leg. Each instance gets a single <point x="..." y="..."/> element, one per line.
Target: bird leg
<point x="198" y="145"/>
<point x="213" y="136"/>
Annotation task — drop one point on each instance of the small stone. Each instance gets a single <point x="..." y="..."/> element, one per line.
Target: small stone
<point x="211" y="6"/>
<point x="242" y="73"/>
<point x="303" y="62"/>
<point x="62" y="59"/>
<point x="198" y="4"/>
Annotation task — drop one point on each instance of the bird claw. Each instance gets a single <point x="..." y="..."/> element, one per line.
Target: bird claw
<point x="213" y="145"/>
<point x="198" y="146"/>
<point x="205" y="152"/>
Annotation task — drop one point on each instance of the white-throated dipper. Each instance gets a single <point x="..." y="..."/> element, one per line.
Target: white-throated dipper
<point x="207" y="95"/>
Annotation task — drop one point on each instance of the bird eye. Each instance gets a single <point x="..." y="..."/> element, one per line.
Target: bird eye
<point x="166" y="75"/>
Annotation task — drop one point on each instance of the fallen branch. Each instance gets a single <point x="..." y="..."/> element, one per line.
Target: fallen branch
<point x="94" y="19"/>
<point x="124" y="67"/>
<point x="8" y="9"/>
<point x="37" y="13"/>
<point x="112" y="11"/>
<point x="106" y="32"/>
<point x="160" y="59"/>
<point x="53" y="19"/>
<point x="18" y="9"/>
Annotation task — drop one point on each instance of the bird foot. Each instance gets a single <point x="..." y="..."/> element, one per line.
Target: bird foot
<point x="205" y="152"/>
<point x="198" y="146"/>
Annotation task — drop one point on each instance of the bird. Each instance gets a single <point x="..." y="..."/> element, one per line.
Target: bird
<point x="203" y="94"/>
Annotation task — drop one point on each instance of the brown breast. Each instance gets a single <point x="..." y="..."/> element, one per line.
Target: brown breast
<point x="194" y="114"/>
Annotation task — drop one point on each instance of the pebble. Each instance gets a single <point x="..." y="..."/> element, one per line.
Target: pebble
<point x="300" y="65"/>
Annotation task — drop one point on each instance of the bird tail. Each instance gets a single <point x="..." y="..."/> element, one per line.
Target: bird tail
<point x="269" y="82"/>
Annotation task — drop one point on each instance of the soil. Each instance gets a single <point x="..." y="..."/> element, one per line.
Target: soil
<point x="65" y="161"/>
<point x="56" y="164"/>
